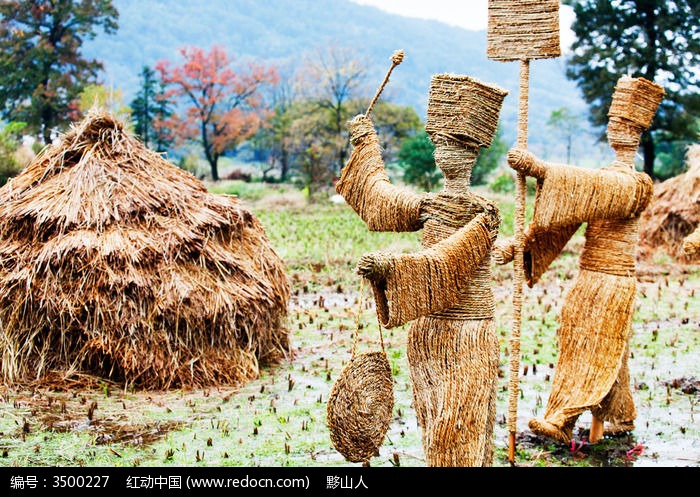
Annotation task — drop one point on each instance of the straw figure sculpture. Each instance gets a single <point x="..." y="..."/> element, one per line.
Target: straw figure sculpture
<point x="673" y="213"/>
<point x="116" y="264"/>
<point x="596" y="318"/>
<point x="444" y="289"/>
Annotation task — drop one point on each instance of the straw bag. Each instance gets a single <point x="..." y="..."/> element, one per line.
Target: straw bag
<point x="360" y="404"/>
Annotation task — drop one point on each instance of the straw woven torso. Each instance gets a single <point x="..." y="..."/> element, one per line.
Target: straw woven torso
<point x="446" y="213"/>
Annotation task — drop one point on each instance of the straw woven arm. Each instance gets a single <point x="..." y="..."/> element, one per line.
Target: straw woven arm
<point x="568" y="195"/>
<point x="525" y="162"/>
<point x="407" y="286"/>
<point x="540" y="249"/>
<point x="366" y="187"/>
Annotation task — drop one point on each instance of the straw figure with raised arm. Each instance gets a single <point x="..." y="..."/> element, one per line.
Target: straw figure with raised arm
<point x="444" y="289"/>
<point x="592" y="372"/>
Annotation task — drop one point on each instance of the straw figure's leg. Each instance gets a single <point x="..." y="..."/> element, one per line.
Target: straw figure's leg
<point x="591" y="366"/>
<point x="454" y="370"/>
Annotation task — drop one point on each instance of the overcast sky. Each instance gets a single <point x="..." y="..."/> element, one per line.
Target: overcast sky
<point x="468" y="14"/>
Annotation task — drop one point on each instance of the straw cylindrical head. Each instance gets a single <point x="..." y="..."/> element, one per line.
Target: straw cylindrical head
<point x="636" y="99"/>
<point x="464" y="108"/>
<point x="523" y="29"/>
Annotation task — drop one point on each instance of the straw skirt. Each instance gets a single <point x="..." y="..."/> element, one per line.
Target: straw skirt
<point x="457" y="417"/>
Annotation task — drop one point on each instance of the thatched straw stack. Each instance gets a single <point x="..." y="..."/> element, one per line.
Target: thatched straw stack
<point x="117" y="264"/>
<point x="674" y="212"/>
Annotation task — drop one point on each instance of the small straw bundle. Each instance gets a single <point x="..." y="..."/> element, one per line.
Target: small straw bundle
<point x="360" y="403"/>
<point x="691" y="243"/>
<point x="464" y="109"/>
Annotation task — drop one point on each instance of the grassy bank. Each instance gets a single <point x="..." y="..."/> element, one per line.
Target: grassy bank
<point x="280" y="420"/>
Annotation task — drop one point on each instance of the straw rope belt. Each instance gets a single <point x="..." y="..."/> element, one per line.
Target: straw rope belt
<point x="610" y="247"/>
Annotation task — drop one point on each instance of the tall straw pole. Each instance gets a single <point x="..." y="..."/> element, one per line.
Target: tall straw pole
<point x="521" y="30"/>
<point x="518" y="262"/>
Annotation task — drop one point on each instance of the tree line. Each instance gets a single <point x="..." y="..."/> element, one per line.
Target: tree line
<point x="294" y="118"/>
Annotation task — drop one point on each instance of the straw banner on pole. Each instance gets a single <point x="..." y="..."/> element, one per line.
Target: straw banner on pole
<point x="520" y="30"/>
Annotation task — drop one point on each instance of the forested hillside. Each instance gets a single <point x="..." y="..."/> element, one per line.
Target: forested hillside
<point x="283" y="32"/>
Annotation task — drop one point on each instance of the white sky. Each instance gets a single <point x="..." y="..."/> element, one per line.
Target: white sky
<point x="468" y="14"/>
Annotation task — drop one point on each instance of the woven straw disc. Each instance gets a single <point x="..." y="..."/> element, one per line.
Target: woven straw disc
<point x="360" y="405"/>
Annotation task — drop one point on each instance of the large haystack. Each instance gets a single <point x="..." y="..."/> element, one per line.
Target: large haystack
<point x="674" y="212"/>
<point x="114" y="263"/>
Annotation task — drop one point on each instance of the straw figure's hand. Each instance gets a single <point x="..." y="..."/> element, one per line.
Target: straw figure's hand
<point x="360" y="126"/>
<point x="503" y="251"/>
<point x="493" y="218"/>
<point x="523" y="161"/>
<point x="372" y="266"/>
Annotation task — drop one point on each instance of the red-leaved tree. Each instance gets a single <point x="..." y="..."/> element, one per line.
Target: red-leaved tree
<point x="223" y="106"/>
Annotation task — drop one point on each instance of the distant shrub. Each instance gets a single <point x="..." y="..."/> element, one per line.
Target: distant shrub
<point x="10" y="165"/>
<point x="416" y="160"/>
<point x="238" y="175"/>
<point x="503" y="183"/>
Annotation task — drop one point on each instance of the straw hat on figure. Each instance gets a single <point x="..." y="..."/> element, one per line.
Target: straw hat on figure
<point x="596" y="318"/>
<point x="445" y="288"/>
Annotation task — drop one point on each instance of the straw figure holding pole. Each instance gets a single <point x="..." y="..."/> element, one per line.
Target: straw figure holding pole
<point x="596" y="319"/>
<point x="520" y="30"/>
<point x="445" y="288"/>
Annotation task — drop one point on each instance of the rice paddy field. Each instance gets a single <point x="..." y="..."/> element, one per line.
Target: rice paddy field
<point x="279" y="419"/>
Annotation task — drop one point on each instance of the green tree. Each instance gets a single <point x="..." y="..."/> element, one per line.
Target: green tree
<point x="311" y="146"/>
<point x="489" y="158"/>
<point x="567" y="125"/>
<point x="394" y="123"/>
<point x="416" y="160"/>
<point x="655" y="39"/>
<point x="151" y="112"/>
<point x="274" y="142"/>
<point x="9" y="144"/>
<point x="42" y="70"/>
<point x="110" y="100"/>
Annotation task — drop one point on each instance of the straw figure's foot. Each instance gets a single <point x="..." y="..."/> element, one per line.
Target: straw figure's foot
<point x="621" y="428"/>
<point x="550" y="430"/>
